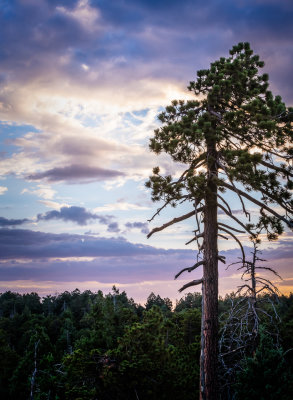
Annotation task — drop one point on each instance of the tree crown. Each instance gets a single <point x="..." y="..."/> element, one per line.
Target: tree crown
<point x="250" y="130"/>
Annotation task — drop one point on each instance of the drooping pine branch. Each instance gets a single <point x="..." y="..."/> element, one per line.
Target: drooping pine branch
<point x="288" y="222"/>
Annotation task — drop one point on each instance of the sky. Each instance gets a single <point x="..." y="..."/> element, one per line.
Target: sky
<point x="81" y="85"/>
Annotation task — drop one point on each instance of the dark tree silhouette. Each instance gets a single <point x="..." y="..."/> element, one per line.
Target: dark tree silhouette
<point x="236" y="137"/>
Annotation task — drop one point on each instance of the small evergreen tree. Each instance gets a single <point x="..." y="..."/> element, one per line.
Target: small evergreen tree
<point x="231" y="139"/>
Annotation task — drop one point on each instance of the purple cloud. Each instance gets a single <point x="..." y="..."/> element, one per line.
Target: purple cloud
<point x="113" y="227"/>
<point x="12" y="222"/>
<point x="80" y="216"/>
<point x="22" y="243"/>
<point x="185" y="34"/>
<point x="235" y="212"/>
<point x="143" y="226"/>
<point x="128" y="269"/>
<point x="114" y="259"/>
<point x="75" y="214"/>
<point x="76" y="174"/>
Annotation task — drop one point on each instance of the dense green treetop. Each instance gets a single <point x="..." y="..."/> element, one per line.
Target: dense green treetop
<point x="251" y="130"/>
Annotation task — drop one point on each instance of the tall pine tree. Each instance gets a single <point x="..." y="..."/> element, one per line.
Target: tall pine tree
<point x="234" y="137"/>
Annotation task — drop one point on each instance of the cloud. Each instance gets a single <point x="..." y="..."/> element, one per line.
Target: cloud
<point x="48" y="259"/>
<point x="76" y="174"/>
<point x="121" y="205"/>
<point x="113" y="227"/>
<point x="129" y="53"/>
<point x="21" y="243"/>
<point x="3" y="189"/>
<point x="83" y="13"/>
<point x="143" y="226"/>
<point x="80" y="70"/>
<point x="40" y="259"/>
<point x="129" y="38"/>
<point x="234" y="212"/>
<point x="286" y="282"/>
<point x="53" y="204"/>
<point x="12" y="222"/>
<point x="80" y="216"/>
<point x="43" y="191"/>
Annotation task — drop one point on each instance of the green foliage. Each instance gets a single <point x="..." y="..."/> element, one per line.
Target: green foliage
<point x="8" y="361"/>
<point x="158" y="358"/>
<point x="246" y="125"/>
<point x="152" y="354"/>
<point x="84" y="379"/>
<point x="266" y="375"/>
<point x="190" y="300"/>
<point x="164" y="304"/>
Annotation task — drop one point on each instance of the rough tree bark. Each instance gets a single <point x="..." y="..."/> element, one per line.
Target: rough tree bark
<point x="210" y="280"/>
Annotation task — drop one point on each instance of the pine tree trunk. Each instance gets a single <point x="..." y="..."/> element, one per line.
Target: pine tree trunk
<point x="210" y="276"/>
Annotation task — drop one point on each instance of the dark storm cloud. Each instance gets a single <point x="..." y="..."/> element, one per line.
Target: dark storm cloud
<point x="76" y="174"/>
<point x="22" y="243"/>
<point x="12" y="222"/>
<point x="143" y="226"/>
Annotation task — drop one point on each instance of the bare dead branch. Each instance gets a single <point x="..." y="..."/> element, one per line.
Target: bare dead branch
<point x="232" y="351"/>
<point x="236" y="239"/>
<point x="192" y="283"/>
<point x="225" y="202"/>
<point x="271" y="270"/>
<point x="194" y="238"/>
<point x="262" y="280"/>
<point x="222" y="259"/>
<point x="189" y="269"/>
<point x="230" y="227"/>
<point x="235" y="219"/>
<point x="236" y="189"/>
<point x="201" y="247"/>
<point x="174" y="221"/>
<point x="216" y="114"/>
<point x="158" y="211"/>
<point x="222" y="236"/>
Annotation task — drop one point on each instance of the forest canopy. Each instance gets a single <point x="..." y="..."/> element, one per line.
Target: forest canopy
<point x="84" y="345"/>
